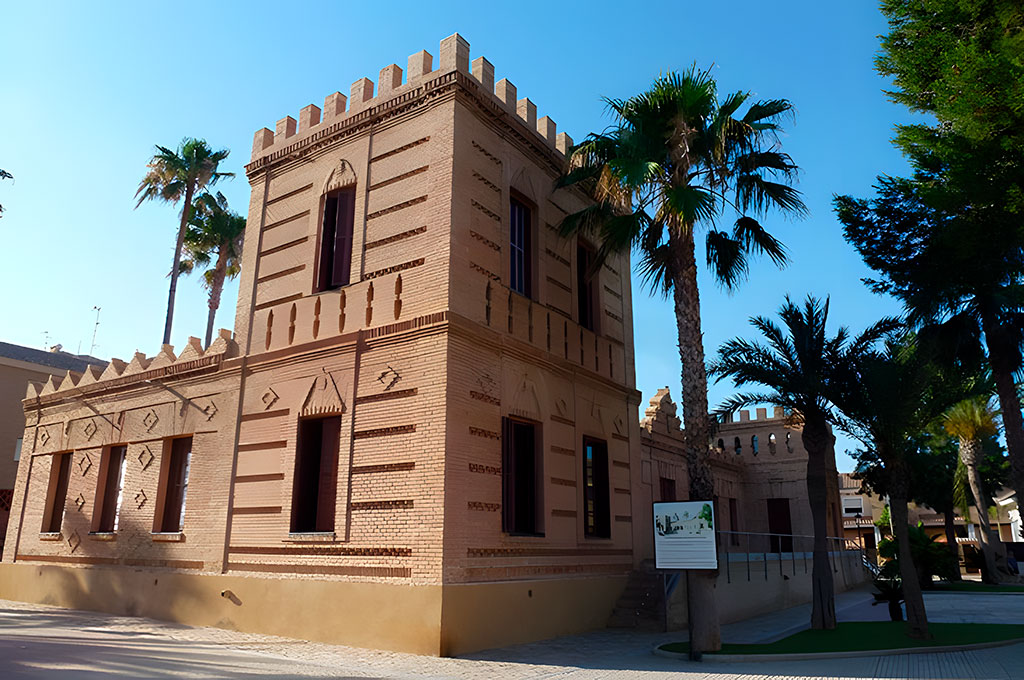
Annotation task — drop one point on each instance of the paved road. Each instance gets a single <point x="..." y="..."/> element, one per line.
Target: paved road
<point x="47" y="643"/>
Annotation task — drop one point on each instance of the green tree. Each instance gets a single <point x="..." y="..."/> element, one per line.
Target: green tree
<point x="798" y="367"/>
<point x="675" y="158"/>
<point x="970" y="422"/>
<point x="179" y="176"/>
<point x="215" y="234"/>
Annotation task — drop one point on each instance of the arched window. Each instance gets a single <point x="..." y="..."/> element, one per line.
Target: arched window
<point x="737" y="445"/>
<point x="721" y="444"/>
<point x="789" y="442"/>
<point x="753" y="445"/>
<point x="771" y="443"/>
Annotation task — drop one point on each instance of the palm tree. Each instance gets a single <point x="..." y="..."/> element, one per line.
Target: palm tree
<point x="215" y="234"/>
<point x="4" y="175"/>
<point x="798" y="367"/>
<point x="674" y="159"/>
<point x="178" y="176"/>
<point x="970" y="422"/>
<point x="887" y="398"/>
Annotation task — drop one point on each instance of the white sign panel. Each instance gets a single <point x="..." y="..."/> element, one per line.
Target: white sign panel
<point x="684" y="535"/>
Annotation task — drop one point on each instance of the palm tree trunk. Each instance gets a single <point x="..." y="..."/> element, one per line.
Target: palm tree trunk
<point x="216" y="288"/>
<point x="185" y="212"/>
<point x="702" y="609"/>
<point x="948" y="518"/>
<point x="970" y="452"/>
<point x="1001" y="360"/>
<point x="823" y="603"/>
<point x="917" y="618"/>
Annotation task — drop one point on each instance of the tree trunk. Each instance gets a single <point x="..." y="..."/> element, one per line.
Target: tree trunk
<point x="917" y="618"/>
<point x="823" y="602"/>
<point x="183" y="227"/>
<point x="970" y="453"/>
<point x="948" y="518"/>
<point x="216" y="288"/>
<point x="702" y="609"/>
<point x="1001" y="360"/>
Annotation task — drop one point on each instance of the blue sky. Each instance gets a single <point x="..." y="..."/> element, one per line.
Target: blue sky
<point x="89" y="88"/>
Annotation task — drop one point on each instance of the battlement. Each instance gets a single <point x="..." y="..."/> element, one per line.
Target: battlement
<point x="454" y="57"/>
<point x="743" y="416"/>
<point x="140" y="369"/>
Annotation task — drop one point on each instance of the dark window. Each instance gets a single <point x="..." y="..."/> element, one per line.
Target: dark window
<point x="57" y="492"/>
<point x="721" y="444"/>
<point x="336" y="239"/>
<point x="520" y="253"/>
<point x="521" y="475"/>
<point x="753" y="445"/>
<point x="176" y="485"/>
<point x="771" y="443"/>
<point x="111" y="482"/>
<point x="596" y="500"/>
<point x="585" y="286"/>
<point x="668" y="489"/>
<point x="734" y="521"/>
<point x="779" y="522"/>
<point x="737" y="446"/>
<point x="316" y="475"/>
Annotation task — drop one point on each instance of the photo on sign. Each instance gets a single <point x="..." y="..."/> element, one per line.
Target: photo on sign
<point x="674" y="523"/>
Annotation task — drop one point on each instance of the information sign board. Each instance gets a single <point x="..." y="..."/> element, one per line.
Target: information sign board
<point x="684" y="535"/>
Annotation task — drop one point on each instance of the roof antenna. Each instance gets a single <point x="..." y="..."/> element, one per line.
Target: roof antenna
<point x="96" y="327"/>
<point x="46" y="340"/>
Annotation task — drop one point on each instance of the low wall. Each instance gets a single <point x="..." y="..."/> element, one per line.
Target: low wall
<point x="757" y="586"/>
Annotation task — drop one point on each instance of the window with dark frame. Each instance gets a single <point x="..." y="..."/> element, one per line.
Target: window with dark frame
<point x="521" y="471"/>
<point x="175" y="487"/>
<point x="520" y="250"/>
<point x="56" y="493"/>
<point x="585" y="302"/>
<point x="336" y="239"/>
<point x="315" y="486"/>
<point x="596" y="497"/>
<point x="667" y="488"/>
<point x="111" y="483"/>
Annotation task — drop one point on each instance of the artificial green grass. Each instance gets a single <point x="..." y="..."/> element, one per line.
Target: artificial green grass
<point x="863" y="636"/>
<point x="976" y="587"/>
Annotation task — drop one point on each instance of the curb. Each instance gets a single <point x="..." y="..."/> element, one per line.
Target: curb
<point x="809" y="656"/>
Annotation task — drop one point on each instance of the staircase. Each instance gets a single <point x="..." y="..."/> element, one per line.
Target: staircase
<point x="642" y="604"/>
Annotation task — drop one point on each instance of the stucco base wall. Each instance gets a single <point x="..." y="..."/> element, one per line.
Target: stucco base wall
<point x="378" y="615"/>
<point x="487" y="615"/>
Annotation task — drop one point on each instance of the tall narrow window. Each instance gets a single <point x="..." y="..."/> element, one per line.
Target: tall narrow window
<point x="780" y="525"/>
<point x="520" y="251"/>
<point x="56" y="492"/>
<point x="521" y="475"/>
<point x="172" y="516"/>
<point x="667" y="489"/>
<point x="585" y="303"/>
<point x="596" y="501"/>
<point x="336" y="238"/>
<point x="316" y="475"/>
<point x="108" y="494"/>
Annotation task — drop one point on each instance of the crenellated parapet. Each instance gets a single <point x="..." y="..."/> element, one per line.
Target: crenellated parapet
<point x="395" y="86"/>
<point x="140" y="369"/>
<point x="660" y="415"/>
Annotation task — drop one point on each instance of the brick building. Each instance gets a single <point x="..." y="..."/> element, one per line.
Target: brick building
<point x="421" y="435"/>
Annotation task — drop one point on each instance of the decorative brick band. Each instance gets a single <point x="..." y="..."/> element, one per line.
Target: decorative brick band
<point x="489" y="156"/>
<point x="334" y="570"/>
<point x="405" y="147"/>
<point x="486" y="241"/>
<point x="285" y="246"/>
<point x="621" y="464"/>
<point x="493" y="215"/>
<point x="563" y="421"/>
<point x="621" y="438"/>
<point x="486" y="434"/>
<point x="488" y="274"/>
<point x="387" y="396"/>
<point x="487" y="183"/>
<point x="612" y="293"/>
<point x="395" y="208"/>
<point x="562" y="450"/>
<point x="382" y="505"/>
<point x="383" y="431"/>
<point x="113" y="561"/>
<point x="563" y="513"/>
<point x="289" y="194"/>
<point x="284" y="272"/>
<point x="264" y="510"/>
<point x="555" y="256"/>
<point x="270" y="477"/>
<point x="385" y="467"/>
<point x="401" y="236"/>
<point x="418" y="322"/>
<point x="262" y="446"/>
<point x="339" y="551"/>
<point x="264" y="415"/>
<point x="394" y="268"/>
<point x="278" y="301"/>
<point x="286" y="220"/>
<point x="544" y="552"/>
<point x="504" y="573"/>
<point x="399" y="178"/>
<point x="612" y="269"/>
<point x="613" y="316"/>
<point x="623" y="518"/>
<point x="484" y="507"/>
<point x="486" y="398"/>
<point x="563" y="482"/>
<point x="484" y="469"/>
<point x="558" y="284"/>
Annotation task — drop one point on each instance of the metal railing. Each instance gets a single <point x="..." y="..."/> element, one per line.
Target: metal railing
<point x="789" y="553"/>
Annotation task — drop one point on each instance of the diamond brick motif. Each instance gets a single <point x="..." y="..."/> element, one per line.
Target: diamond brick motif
<point x="269" y="398"/>
<point x="90" y="429"/>
<point x="150" y="420"/>
<point x="210" y="410"/>
<point x="80" y="502"/>
<point x="140" y="498"/>
<point x="74" y="540"/>
<point x="145" y="457"/>
<point x="84" y="464"/>
<point x="44" y="437"/>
